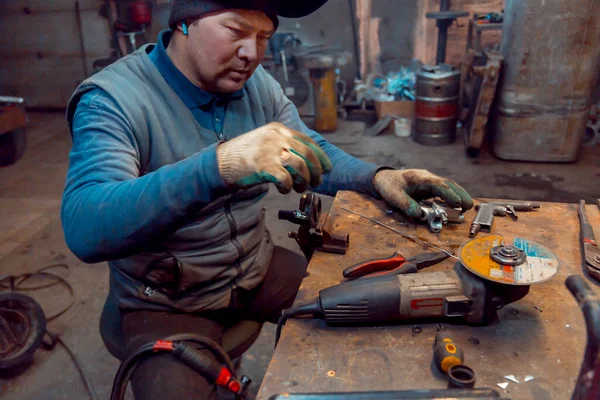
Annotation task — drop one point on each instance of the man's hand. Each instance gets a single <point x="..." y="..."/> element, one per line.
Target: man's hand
<point x="272" y="153"/>
<point x="405" y="188"/>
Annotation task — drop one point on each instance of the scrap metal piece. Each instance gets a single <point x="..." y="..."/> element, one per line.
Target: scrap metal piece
<point x="588" y="242"/>
<point x="528" y="378"/>
<point x="380" y="126"/>
<point x="503" y="385"/>
<point x="512" y="378"/>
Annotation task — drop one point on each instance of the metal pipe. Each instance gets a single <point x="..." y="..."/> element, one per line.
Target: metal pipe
<point x="355" y="38"/>
<point x="442" y="25"/>
<point x="81" y="43"/>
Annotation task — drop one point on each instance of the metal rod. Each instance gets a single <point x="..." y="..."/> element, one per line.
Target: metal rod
<point x="81" y="43"/>
<point x="442" y="40"/>
<point x="404" y="235"/>
<point x="355" y="38"/>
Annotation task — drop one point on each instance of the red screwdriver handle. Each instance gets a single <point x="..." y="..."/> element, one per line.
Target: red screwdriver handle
<point x="374" y="265"/>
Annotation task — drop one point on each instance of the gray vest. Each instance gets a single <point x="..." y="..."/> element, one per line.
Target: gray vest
<point x="227" y="245"/>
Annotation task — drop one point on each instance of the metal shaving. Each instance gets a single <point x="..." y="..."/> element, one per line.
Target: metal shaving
<point x="511" y="378"/>
<point x="503" y="385"/>
<point x="528" y="378"/>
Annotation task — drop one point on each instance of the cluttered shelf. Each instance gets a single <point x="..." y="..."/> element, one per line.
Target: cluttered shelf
<point x="538" y="334"/>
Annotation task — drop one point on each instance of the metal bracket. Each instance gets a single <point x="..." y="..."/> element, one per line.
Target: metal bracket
<point x="316" y="230"/>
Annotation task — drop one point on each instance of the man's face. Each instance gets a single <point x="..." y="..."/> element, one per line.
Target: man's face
<point x="225" y="48"/>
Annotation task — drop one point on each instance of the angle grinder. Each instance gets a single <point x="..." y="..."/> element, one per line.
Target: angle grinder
<point x="490" y="274"/>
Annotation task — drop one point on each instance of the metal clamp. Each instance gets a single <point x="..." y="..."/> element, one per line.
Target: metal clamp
<point x="316" y="230"/>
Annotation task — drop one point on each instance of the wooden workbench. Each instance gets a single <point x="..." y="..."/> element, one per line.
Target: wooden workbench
<point x="542" y="335"/>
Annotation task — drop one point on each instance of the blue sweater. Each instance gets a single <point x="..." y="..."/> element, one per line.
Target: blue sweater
<point x="124" y="198"/>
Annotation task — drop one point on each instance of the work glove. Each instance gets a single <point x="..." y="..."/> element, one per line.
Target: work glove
<point x="404" y="189"/>
<point x="274" y="154"/>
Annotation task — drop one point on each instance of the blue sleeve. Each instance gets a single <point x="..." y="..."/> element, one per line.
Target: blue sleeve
<point x="348" y="173"/>
<point x="108" y="210"/>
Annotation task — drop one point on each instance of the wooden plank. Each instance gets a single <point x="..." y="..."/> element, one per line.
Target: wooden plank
<point x="425" y="34"/>
<point x="425" y="37"/>
<point x="457" y="35"/>
<point x="542" y="335"/>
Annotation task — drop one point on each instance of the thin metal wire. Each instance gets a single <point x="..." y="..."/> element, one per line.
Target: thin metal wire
<point x="404" y="235"/>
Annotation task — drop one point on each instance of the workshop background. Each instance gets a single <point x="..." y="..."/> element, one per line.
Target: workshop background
<point x="523" y="91"/>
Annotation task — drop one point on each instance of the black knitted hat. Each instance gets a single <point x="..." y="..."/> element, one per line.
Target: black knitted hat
<point x="191" y="9"/>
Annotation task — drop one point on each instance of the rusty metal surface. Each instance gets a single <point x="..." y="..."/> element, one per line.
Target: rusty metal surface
<point x="542" y="335"/>
<point x="551" y="52"/>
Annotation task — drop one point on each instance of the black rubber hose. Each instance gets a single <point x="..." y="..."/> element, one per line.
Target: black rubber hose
<point x="129" y="365"/>
<point x="126" y="370"/>
<point x="210" y="344"/>
<point x="198" y="361"/>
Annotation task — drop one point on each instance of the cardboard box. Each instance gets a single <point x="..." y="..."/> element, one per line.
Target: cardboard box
<point x="404" y="109"/>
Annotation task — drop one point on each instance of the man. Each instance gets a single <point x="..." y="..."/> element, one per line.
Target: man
<point x="174" y="148"/>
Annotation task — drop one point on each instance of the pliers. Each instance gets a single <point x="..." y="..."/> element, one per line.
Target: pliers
<point x="591" y="251"/>
<point x="396" y="264"/>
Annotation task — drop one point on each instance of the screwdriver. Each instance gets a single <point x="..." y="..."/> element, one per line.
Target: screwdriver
<point x="446" y="353"/>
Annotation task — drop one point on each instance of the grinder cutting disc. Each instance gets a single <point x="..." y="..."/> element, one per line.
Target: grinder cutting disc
<point x="484" y="257"/>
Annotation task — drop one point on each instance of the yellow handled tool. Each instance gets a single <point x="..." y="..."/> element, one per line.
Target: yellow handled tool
<point x="446" y="353"/>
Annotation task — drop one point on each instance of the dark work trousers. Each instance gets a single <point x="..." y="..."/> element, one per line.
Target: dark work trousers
<point x="162" y="376"/>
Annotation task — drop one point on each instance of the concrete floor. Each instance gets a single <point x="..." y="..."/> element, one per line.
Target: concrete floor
<point x="31" y="236"/>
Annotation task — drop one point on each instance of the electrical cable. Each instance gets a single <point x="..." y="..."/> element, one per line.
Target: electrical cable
<point x="305" y="309"/>
<point x="57" y="339"/>
<point x="129" y="365"/>
<point x="15" y="283"/>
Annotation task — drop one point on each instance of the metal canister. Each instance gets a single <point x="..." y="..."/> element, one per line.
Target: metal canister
<point x="551" y="52"/>
<point x="436" y="105"/>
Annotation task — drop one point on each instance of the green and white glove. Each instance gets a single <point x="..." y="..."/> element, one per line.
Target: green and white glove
<point x="405" y="188"/>
<point x="272" y="154"/>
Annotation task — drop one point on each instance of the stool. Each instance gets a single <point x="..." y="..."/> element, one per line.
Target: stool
<point x="237" y="338"/>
